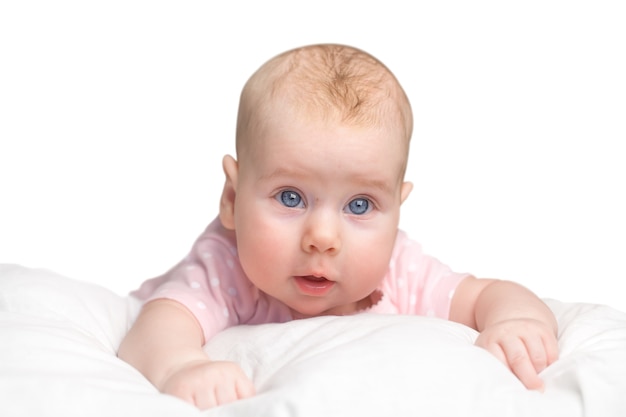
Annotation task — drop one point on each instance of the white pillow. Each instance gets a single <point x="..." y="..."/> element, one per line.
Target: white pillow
<point x="374" y="365"/>
<point x="58" y="339"/>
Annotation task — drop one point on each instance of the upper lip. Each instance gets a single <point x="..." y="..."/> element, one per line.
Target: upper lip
<point x="316" y="276"/>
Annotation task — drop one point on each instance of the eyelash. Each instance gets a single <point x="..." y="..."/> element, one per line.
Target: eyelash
<point x="293" y="199"/>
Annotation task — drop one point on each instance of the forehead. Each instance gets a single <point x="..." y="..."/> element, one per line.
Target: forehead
<point x="307" y="146"/>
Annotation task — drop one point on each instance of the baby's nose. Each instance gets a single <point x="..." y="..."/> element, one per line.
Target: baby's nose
<point x="322" y="234"/>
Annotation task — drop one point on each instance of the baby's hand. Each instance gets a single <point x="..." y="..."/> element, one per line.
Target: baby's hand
<point x="208" y="384"/>
<point x="526" y="346"/>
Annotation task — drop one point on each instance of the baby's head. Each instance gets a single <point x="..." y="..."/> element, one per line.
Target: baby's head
<point x="314" y="197"/>
<point x="332" y="83"/>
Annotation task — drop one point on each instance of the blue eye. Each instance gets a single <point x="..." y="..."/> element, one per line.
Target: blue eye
<point x="290" y="198"/>
<point x="359" y="206"/>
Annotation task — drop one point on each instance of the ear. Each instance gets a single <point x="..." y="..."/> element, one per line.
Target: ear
<point x="405" y="190"/>
<point x="227" y="201"/>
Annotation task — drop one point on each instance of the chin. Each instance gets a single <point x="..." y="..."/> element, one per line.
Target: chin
<point x="304" y="312"/>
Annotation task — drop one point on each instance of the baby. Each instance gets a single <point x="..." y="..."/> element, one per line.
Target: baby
<point x="308" y="226"/>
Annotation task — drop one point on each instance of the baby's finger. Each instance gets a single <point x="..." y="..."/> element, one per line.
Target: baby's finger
<point x="226" y="393"/>
<point x="238" y="388"/>
<point x="205" y="399"/>
<point x="537" y="353"/>
<point x="496" y="350"/>
<point x="551" y="345"/>
<point x="520" y="363"/>
<point x="245" y="388"/>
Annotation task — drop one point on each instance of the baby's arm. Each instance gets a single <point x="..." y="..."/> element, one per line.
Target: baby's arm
<point x="514" y="325"/>
<point x="165" y="345"/>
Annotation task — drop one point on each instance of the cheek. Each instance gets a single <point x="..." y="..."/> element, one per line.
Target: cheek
<point x="376" y="266"/>
<point x="376" y="249"/>
<point x="262" y="248"/>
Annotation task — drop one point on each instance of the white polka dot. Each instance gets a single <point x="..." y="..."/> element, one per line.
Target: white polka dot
<point x="206" y="255"/>
<point x="194" y="284"/>
<point x="215" y="282"/>
<point x="413" y="299"/>
<point x="163" y="291"/>
<point x="201" y="305"/>
<point x="392" y="264"/>
<point x="190" y="267"/>
<point x="230" y="263"/>
<point x="232" y="291"/>
<point x="401" y="282"/>
<point x="412" y="267"/>
<point x="451" y="294"/>
<point x="233" y="250"/>
<point x="430" y="312"/>
<point x="226" y="312"/>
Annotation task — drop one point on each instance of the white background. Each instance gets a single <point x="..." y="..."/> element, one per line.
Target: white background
<point x="114" y="117"/>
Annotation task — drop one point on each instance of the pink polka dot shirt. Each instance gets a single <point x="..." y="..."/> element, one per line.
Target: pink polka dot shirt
<point x="212" y="285"/>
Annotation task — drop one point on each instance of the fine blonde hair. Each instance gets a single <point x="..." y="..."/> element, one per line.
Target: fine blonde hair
<point x="329" y="81"/>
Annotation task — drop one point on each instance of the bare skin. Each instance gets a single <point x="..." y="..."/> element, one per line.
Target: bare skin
<point x="326" y="164"/>
<point x="515" y="326"/>
<point x="169" y="354"/>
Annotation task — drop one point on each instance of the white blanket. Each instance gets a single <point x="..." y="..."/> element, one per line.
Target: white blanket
<point x="58" y="341"/>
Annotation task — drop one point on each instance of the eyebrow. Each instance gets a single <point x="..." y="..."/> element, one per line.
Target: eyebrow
<point x="367" y="182"/>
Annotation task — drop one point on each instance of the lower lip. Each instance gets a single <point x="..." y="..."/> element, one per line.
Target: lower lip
<point x="312" y="287"/>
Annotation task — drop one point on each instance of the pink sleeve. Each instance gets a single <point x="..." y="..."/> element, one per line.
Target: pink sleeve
<point x="205" y="282"/>
<point x="211" y="284"/>
<point x="420" y="284"/>
<point x="198" y="284"/>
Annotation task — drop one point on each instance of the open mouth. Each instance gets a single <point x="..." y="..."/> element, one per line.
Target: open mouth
<point x="312" y="285"/>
